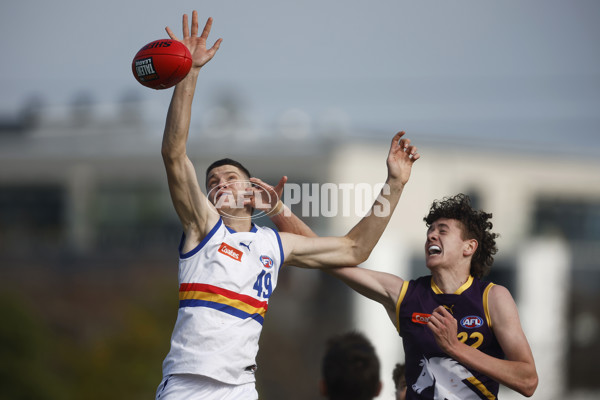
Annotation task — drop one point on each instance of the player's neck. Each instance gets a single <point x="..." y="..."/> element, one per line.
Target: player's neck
<point x="450" y="280"/>
<point x="238" y="224"/>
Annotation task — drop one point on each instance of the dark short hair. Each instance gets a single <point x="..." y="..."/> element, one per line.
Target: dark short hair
<point x="350" y="368"/>
<point x="476" y="225"/>
<point x="227" y="161"/>
<point x="399" y="377"/>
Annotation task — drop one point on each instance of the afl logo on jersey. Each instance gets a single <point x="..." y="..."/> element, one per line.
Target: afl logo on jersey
<point x="471" y="322"/>
<point x="266" y="261"/>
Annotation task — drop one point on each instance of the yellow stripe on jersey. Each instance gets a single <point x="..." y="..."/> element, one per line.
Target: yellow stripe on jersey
<point x="400" y="298"/>
<point x="461" y="289"/>
<point x="217" y="298"/>
<point x="481" y="387"/>
<point x="486" y="309"/>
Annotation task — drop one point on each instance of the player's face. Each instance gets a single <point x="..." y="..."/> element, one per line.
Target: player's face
<point x="445" y="245"/>
<point x="225" y="186"/>
<point x="401" y="393"/>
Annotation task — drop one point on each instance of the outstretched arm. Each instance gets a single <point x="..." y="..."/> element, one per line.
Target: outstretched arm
<point x="191" y="205"/>
<point x="355" y="247"/>
<point x="517" y="371"/>
<point x="381" y="287"/>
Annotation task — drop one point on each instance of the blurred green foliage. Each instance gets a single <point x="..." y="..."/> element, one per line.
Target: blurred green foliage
<point x="101" y="345"/>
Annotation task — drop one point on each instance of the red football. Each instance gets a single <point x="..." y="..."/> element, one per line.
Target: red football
<point x="161" y="64"/>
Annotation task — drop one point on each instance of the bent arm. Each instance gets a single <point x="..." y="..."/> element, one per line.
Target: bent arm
<point x="381" y="287"/>
<point x="517" y="371"/>
<point x="356" y="246"/>
<point x="352" y="249"/>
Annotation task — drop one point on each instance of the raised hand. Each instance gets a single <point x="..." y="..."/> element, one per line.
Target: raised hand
<point x="265" y="197"/>
<point x="401" y="157"/>
<point x="196" y="44"/>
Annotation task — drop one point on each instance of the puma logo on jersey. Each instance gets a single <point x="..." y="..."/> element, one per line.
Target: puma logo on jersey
<point x="246" y="245"/>
<point x="230" y="251"/>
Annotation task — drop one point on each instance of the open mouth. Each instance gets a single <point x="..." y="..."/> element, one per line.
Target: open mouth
<point x="434" y="250"/>
<point x="222" y="193"/>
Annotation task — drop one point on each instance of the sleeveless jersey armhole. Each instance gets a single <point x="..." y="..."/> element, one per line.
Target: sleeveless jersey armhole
<point x="486" y="309"/>
<point x="281" y="256"/>
<point x="399" y="302"/>
<point x="201" y="244"/>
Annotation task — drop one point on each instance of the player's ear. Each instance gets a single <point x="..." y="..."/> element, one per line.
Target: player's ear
<point x="379" y="386"/>
<point x="470" y="247"/>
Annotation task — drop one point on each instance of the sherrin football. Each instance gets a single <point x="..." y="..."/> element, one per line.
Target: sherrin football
<point x="161" y="64"/>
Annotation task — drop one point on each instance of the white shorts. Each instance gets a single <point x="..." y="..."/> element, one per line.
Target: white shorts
<point x="198" y="387"/>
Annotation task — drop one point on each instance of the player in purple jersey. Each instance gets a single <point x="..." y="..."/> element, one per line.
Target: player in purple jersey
<point x="461" y="336"/>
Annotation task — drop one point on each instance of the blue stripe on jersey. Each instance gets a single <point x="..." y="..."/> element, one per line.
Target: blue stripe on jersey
<point x="221" y="307"/>
<point x="202" y="243"/>
<point x="253" y="229"/>
<point x="280" y="247"/>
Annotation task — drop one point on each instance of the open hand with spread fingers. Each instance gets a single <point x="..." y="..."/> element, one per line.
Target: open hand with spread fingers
<point x="196" y="44"/>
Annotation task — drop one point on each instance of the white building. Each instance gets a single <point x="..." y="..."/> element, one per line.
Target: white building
<point x="86" y="182"/>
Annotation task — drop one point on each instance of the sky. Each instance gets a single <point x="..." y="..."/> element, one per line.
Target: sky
<point x="459" y="67"/>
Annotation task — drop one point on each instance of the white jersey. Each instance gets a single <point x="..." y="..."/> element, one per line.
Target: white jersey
<point x="224" y="288"/>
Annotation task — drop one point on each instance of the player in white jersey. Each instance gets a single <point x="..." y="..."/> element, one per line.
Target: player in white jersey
<point x="228" y="267"/>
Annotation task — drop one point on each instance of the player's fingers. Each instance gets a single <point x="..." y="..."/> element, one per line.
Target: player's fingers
<point x="444" y="312"/>
<point x="215" y="47"/>
<point x="433" y="324"/>
<point x="186" y="28"/>
<point x="279" y="187"/>
<point x="258" y="183"/>
<point x="262" y="185"/>
<point x="396" y="138"/>
<point x="171" y="33"/>
<point x="248" y="193"/>
<point x="412" y="152"/>
<point x="207" y="27"/>
<point x="404" y="143"/>
<point x="194" y="32"/>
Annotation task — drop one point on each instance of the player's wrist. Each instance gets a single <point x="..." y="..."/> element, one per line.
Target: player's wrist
<point x="277" y="209"/>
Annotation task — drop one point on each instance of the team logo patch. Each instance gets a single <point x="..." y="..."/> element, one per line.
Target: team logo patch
<point x="471" y="322"/>
<point x="230" y="251"/>
<point x="267" y="261"/>
<point x="420" y="318"/>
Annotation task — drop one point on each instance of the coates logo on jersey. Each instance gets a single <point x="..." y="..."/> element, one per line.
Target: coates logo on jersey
<point x="471" y="322"/>
<point x="230" y="251"/>
<point x="420" y="318"/>
<point x="267" y="261"/>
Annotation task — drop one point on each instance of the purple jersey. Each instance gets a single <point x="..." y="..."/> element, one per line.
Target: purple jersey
<point x="431" y="373"/>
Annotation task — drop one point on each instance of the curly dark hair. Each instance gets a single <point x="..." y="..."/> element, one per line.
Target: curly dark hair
<point x="476" y="225"/>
